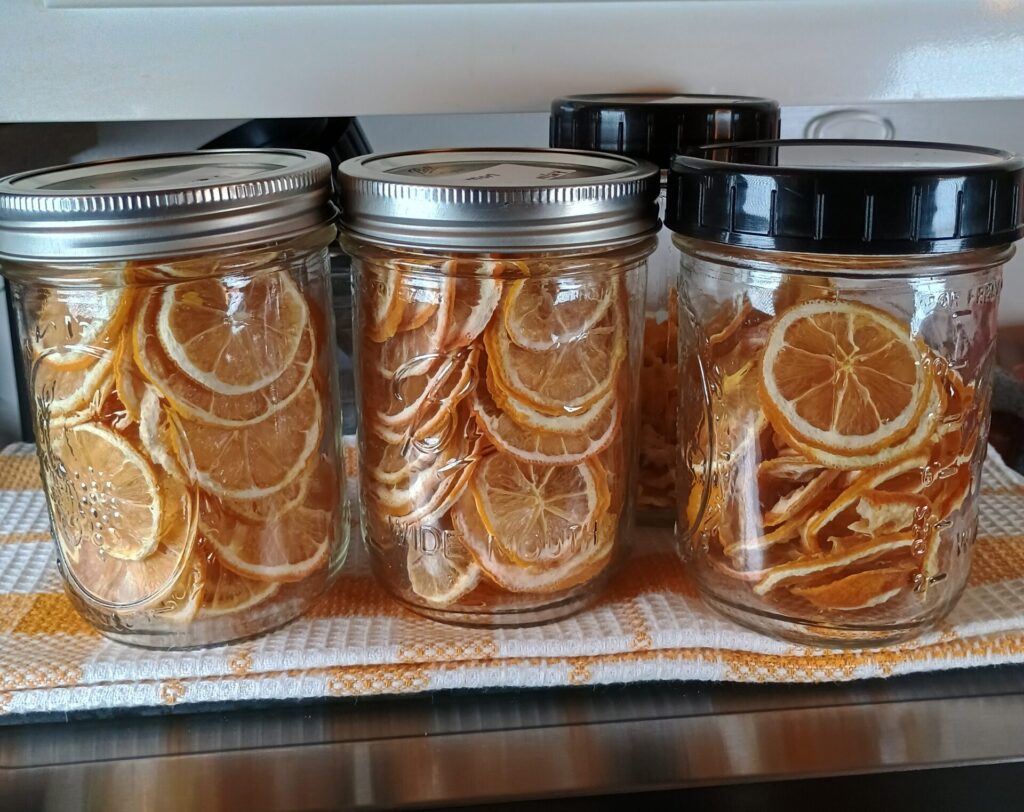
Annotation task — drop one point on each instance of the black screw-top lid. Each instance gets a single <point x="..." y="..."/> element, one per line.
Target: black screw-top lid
<point x="848" y="197"/>
<point x="655" y="126"/>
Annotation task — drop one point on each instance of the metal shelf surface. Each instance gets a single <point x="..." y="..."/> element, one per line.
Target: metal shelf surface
<point x="463" y="748"/>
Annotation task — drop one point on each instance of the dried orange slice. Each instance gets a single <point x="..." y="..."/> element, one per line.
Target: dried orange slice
<point x="844" y="377"/>
<point x="539" y="514"/>
<point x="827" y="523"/>
<point x="227" y="592"/>
<point x="234" y="335"/>
<point x="444" y="575"/>
<point x="800" y="499"/>
<point x="589" y="560"/>
<point x="257" y="460"/>
<point x="268" y="508"/>
<point x="474" y="298"/>
<point x="911" y="445"/>
<point x="565" y="379"/>
<point x="545" y="448"/>
<point x="421" y="295"/>
<point x="111" y="496"/>
<point x="156" y="432"/>
<point x="812" y="566"/>
<point x="138" y="584"/>
<point x="202" y="403"/>
<point x="861" y="590"/>
<point x="289" y="549"/>
<point x="728" y="319"/>
<point x="74" y="326"/>
<point x="545" y="313"/>
<point x="883" y="512"/>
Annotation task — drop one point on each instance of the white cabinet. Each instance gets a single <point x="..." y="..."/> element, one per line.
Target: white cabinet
<point x="107" y="60"/>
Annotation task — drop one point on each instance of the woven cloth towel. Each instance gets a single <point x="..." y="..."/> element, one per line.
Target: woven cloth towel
<point x="650" y="626"/>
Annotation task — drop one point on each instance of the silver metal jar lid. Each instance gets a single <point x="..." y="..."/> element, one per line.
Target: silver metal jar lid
<point x="498" y="199"/>
<point x="163" y="205"/>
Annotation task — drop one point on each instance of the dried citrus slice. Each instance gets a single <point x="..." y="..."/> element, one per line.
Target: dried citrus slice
<point x="180" y="604"/>
<point x="886" y="456"/>
<point x="829" y="522"/>
<point x="75" y="325"/>
<point x="728" y="319"/>
<point x="428" y="494"/>
<point x="539" y="514"/>
<point x="155" y="434"/>
<point x="61" y="392"/>
<point x="128" y="383"/>
<point x="113" y="502"/>
<point x="417" y="392"/>
<point x="289" y="549"/>
<point x="257" y="460"/>
<point x="202" y="403"/>
<point x="542" y="447"/>
<point x="545" y="313"/>
<point x="268" y="508"/>
<point x="234" y="335"/>
<point x="578" y="422"/>
<point x="590" y="559"/>
<point x="812" y="566"/>
<point x="380" y="302"/>
<point x="139" y="584"/>
<point x="566" y="379"/>
<point x="443" y="575"/>
<point x="882" y="512"/>
<point x="227" y="592"/>
<point x="798" y="500"/>
<point x="861" y="590"/>
<point x="474" y="300"/>
<point x="844" y="377"/>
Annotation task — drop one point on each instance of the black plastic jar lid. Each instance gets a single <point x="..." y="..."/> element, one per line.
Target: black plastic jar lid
<point x="655" y="126"/>
<point x="848" y="197"/>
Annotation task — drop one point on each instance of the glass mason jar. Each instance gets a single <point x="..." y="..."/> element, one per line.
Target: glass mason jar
<point x="654" y="127"/>
<point x="839" y="314"/>
<point x="498" y="300"/>
<point x="183" y="385"/>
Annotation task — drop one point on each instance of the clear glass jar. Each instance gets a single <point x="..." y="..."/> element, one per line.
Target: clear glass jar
<point x="188" y="427"/>
<point x="654" y="127"/>
<point x="831" y="470"/>
<point x="497" y="400"/>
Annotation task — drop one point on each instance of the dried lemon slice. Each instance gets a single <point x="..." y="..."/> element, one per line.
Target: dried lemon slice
<point x="289" y="549"/>
<point x="539" y="514"/>
<point x="254" y="461"/>
<point x="569" y="572"/>
<point x="547" y="312"/>
<point x="113" y="503"/>
<point x="444" y="575"/>
<point x="206" y="405"/>
<point x="73" y="325"/>
<point x="136" y="584"/>
<point x="542" y="447"/>
<point x="844" y="378"/>
<point x="227" y="592"/>
<point x="234" y="335"/>
<point x="567" y="378"/>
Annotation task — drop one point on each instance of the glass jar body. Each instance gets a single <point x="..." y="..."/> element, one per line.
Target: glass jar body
<point x="497" y="400"/>
<point x="659" y="385"/>
<point x="187" y="422"/>
<point x="829" y="476"/>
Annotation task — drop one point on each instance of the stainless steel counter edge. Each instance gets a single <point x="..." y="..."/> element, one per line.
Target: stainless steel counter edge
<point x="474" y="748"/>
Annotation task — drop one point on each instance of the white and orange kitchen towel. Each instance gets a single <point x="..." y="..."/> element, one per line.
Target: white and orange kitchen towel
<point x="650" y="626"/>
